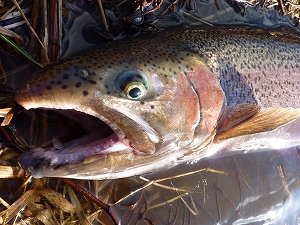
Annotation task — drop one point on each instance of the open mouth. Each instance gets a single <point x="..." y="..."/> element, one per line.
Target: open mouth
<point x="97" y="142"/>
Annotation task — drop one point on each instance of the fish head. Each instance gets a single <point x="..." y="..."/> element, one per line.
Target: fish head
<point x="150" y="95"/>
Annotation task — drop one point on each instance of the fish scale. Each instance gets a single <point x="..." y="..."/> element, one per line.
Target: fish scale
<point x="170" y="97"/>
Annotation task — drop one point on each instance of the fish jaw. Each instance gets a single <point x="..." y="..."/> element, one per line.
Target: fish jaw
<point x="153" y="132"/>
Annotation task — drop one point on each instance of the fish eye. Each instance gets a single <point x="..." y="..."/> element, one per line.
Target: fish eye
<point x="132" y="84"/>
<point x="135" y="90"/>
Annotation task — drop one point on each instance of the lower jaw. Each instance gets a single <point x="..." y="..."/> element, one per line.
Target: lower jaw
<point x="95" y="145"/>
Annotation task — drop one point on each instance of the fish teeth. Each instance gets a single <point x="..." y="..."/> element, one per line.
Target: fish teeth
<point x="57" y="144"/>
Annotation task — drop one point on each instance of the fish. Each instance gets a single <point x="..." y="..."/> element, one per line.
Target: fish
<point x="167" y="98"/>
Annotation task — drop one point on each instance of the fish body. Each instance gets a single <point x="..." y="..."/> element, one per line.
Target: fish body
<point x="169" y="97"/>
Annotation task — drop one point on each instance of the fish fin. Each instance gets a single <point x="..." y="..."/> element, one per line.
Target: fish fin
<point x="235" y="115"/>
<point x="265" y="120"/>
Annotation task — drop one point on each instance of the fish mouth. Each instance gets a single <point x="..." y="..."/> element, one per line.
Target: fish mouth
<point x="99" y="141"/>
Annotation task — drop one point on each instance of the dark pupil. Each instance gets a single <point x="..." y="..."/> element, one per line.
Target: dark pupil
<point x="134" y="92"/>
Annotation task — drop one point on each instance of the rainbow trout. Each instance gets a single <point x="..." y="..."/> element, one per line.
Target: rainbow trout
<point x="167" y="98"/>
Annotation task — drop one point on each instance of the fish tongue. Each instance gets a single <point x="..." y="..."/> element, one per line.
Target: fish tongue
<point x="91" y="139"/>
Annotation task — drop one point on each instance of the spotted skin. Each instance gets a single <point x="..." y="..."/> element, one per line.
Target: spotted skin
<point x="192" y="75"/>
<point x="246" y="66"/>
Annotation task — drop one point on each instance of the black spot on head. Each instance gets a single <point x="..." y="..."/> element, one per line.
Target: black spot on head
<point x="93" y="82"/>
<point x="85" y="93"/>
<point x="142" y="103"/>
<point x="66" y="76"/>
<point x="100" y="78"/>
<point x="64" y="86"/>
<point x="58" y="82"/>
<point x="78" y="84"/>
<point x="48" y="87"/>
<point x="108" y="92"/>
<point x="152" y="106"/>
<point x="106" y="86"/>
